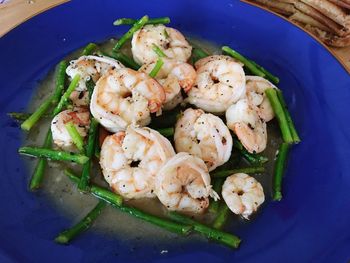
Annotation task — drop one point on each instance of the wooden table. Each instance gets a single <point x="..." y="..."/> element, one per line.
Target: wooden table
<point x="15" y="12"/>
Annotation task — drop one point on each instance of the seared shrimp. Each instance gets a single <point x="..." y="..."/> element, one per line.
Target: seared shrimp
<point x="256" y="87"/>
<point x="80" y="118"/>
<point x="89" y="67"/>
<point x="243" y="119"/>
<point x="183" y="184"/>
<point x="130" y="160"/>
<point x="205" y="136"/>
<point x="242" y="194"/>
<point x="122" y="97"/>
<point x="220" y="82"/>
<point x="173" y="76"/>
<point x="168" y="39"/>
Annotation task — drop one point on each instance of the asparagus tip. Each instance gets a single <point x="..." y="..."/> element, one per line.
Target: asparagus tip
<point x="277" y="196"/>
<point x="117" y="22"/>
<point x="25" y="126"/>
<point x="34" y="187"/>
<point x="62" y="239"/>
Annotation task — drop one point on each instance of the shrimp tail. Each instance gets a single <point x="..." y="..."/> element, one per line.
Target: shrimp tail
<point x="213" y="194"/>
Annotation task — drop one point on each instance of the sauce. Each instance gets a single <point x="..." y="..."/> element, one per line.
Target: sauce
<point x="62" y="193"/>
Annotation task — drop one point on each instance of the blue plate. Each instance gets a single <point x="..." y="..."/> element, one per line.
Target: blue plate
<point x="311" y="224"/>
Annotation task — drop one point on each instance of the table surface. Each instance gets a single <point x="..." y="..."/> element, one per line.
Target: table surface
<point x="14" y="12"/>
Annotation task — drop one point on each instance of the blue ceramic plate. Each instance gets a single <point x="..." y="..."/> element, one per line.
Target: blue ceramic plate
<point x="311" y="224"/>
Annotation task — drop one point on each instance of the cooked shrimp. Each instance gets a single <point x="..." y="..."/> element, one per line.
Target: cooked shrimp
<point x="183" y="184"/>
<point x="173" y="76"/>
<point x="243" y="119"/>
<point x="205" y="136"/>
<point x="79" y="116"/>
<point x="122" y="97"/>
<point x="220" y="82"/>
<point x="168" y="39"/>
<point x="242" y="194"/>
<point x="130" y="160"/>
<point x="256" y="87"/>
<point x="89" y="67"/>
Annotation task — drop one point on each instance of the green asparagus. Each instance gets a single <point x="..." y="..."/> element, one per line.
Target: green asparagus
<point x="211" y="233"/>
<point x="138" y="25"/>
<point x="66" y="236"/>
<point x="53" y="154"/>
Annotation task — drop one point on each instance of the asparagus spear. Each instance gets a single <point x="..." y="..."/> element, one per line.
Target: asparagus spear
<point x="221" y="217"/>
<point x="247" y="63"/>
<point x="292" y="129"/>
<point x="280" y="115"/>
<point x="66" y="236"/>
<point x="138" y="25"/>
<point x="247" y="170"/>
<point x="107" y="195"/>
<point x="278" y="173"/>
<point x="211" y="233"/>
<point x="38" y="174"/>
<point x="44" y="107"/>
<point x="161" y="222"/>
<point x="60" y="80"/>
<point x="156" y="68"/>
<point x="89" y="49"/>
<point x="53" y="154"/>
<point x="65" y="96"/>
<point x="158" y="51"/>
<point x="90" y="149"/>
<point x="35" y="117"/>
<point x="151" y="21"/>
<point x="75" y="135"/>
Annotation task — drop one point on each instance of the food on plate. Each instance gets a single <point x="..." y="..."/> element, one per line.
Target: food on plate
<point x="161" y="121"/>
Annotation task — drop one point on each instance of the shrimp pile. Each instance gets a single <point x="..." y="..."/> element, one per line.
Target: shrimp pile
<point x="137" y="161"/>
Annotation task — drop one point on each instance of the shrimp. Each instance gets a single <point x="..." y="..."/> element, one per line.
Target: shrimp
<point x="89" y="67"/>
<point x="81" y="119"/>
<point x="183" y="184"/>
<point x="243" y="194"/>
<point x="122" y="97"/>
<point x="220" y="82"/>
<point x="256" y="87"/>
<point x="130" y="160"/>
<point x="205" y="136"/>
<point x="243" y="119"/>
<point x="173" y="76"/>
<point x="168" y="39"/>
